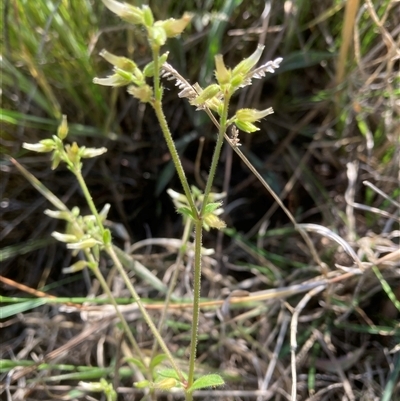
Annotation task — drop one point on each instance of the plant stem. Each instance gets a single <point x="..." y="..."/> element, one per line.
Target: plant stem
<point x="167" y="133"/>
<point x="96" y="270"/>
<point x="198" y="217"/>
<point x="78" y="174"/>
<point x="196" y="302"/>
<point x="173" y="281"/>
<point x="110" y="250"/>
<point x="217" y="152"/>
<point x="198" y="244"/>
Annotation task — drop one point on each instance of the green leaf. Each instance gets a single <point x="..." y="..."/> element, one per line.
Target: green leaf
<point x="185" y="211"/>
<point x="24" y="247"/>
<point x="142" y="384"/>
<point x="136" y="362"/>
<point x="11" y="310"/>
<point x="212" y="207"/>
<point x="211" y="380"/>
<point x="148" y="70"/>
<point x="171" y="373"/>
<point x="157" y="360"/>
<point x="107" y="237"/>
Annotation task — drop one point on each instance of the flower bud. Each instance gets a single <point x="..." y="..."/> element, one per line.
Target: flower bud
<point x="44" y="146"/>
<point x="177" y="198"/>
<point x="207" y="94"/>
<point x="58" y="214"/>
<point x="246" y="126"/>
<point x="238" y="80"/>
<point x="104" y="211"/>
<point x="107" y="237"/>
<point x="64" y="237"/>
<point x="166" y="384"/>
<point x="213" y="221"/>
<point x="55" y="159"/>
<point x="215" y="104"/>
<point x="122" y="63"/>
<point x="62" y="131"/>
<point x="125" y="11"/>
<point x="76" y="267"/>
<point x="222" y="74"/>
<point x="148" y="70"/>
<point x="174" y="27"/>
<point x="75" y="211"/>
<point x="251" y="115"/>
<point x="142" y="384"/>
<point x="118" y="79"/>
<point x="143" y="93"/>
<point x="247" y="64"/>
<point x="72" y="152"/>
<point x="157" y="35"/>
<point x="84" y="244"/>
<point x="88" y="153"/>
<point x="94" y="386"/>
<point x="147" y="16"/>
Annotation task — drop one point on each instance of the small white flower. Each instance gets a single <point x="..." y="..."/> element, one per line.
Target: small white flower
<point x="92" y="152"/>
<point x="128" y="13"/>
<point x="86" y="243"/>
<point x="247" y="64"/>
<point x="64" y="237"/>
<point x="76" y="267"/>
<point x="39" y="147"/>
<point x="112" y="80"/>
<point x="252" y="115"/>
<point x="58" y="214"/>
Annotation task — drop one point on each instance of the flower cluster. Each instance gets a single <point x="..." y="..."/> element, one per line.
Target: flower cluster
<point x="228" y="82"/>
<point x="125" y="71"/>
<point x="212" y="210"/>
<point x="158" y="31"/>
<point x="82" y="232"/>
<point x="69" y="154"/>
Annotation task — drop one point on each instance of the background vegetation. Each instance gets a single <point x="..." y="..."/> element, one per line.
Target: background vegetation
<point x="330" y="150"/>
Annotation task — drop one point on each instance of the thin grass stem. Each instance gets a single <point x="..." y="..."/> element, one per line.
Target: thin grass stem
<point x="121" y="317"/>
<point x="110" y="250"/>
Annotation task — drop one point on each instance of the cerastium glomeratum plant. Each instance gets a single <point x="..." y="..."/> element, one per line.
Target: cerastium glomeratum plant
<point x="202" y="210"/>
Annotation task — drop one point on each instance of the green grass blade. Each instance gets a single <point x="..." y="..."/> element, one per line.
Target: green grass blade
<point x="11" y="310"/>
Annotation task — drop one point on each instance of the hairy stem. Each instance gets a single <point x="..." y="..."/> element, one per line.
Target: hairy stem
<point x="174" y="279"/>
<point x="198" y="244"/>
<point x="217" y="152"/>
<point x="167" y="134"/>
<point x="196" y="301"/>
